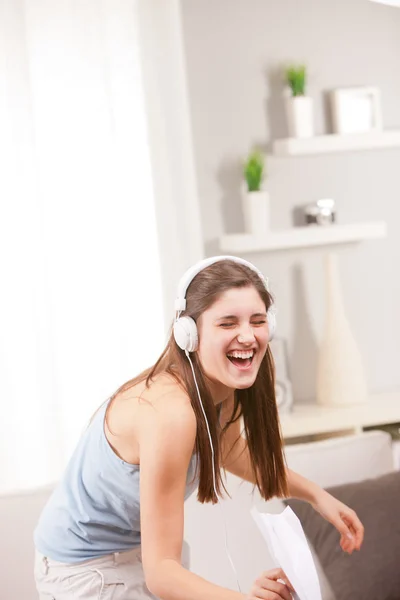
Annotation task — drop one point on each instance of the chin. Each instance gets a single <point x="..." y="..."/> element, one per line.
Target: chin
<point x="243" y="385"/>
<point x="240" y="383"/>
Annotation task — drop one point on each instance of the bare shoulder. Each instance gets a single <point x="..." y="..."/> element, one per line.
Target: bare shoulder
<point x="161" y="412"/>
<point x="166" y="404"/>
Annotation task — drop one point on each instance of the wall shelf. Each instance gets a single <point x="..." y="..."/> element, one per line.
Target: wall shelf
<point x="303" y="237"/>
<point x="325" y="144"/>
<point x="314" y="419"/>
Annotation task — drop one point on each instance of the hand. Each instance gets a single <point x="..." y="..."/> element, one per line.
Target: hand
<point x="267" y="587"/>
<point x="343" y="518"/>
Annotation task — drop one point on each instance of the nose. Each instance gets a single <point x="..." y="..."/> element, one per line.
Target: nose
<point x="246" y="335"/>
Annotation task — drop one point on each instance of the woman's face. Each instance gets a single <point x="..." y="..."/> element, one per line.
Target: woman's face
<point x="233" y="338"/>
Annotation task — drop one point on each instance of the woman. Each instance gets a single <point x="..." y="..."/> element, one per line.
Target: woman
<point x="103" y="536"/>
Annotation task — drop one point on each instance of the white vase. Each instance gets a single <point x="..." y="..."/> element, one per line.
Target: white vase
<point x="340" y="372"/>
<point x="300" y="118"/>
<point x="256" y="212"/>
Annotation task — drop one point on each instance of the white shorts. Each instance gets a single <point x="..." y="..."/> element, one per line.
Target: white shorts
<point x="116" y="576"/>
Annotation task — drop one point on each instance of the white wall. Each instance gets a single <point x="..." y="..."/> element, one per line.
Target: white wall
<point x="233" y="49"/>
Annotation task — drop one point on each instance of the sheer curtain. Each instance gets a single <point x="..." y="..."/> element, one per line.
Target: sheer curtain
<point x="81" y="299"/>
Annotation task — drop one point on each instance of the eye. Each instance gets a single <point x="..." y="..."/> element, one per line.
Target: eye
<point x="259" y="322"/>
<point x="226" y="325"/>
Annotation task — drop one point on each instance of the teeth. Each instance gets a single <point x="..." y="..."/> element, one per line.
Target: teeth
<point x="243" y="355"/>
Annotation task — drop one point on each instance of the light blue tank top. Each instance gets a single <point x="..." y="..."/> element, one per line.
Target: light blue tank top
<point x="95" y="509"/>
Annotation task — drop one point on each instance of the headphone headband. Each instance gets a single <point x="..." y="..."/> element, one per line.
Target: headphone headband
<point x="187" y="278"/>
<point x="185" y="329"/>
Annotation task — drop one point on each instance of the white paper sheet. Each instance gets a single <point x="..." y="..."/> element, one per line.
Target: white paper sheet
<point x="288" y="546"/>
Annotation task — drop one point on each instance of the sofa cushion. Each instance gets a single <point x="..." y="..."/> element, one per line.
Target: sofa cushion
<point x="373" y="573"/>
<point x="371" y="455"/>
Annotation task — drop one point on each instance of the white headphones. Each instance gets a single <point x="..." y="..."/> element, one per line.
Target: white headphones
<point x="185" y="328"/>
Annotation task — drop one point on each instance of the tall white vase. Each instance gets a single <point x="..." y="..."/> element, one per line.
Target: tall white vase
<point x="300" y="116"/>
<point x="340" y="372"/>
<point x="256" y="212"/>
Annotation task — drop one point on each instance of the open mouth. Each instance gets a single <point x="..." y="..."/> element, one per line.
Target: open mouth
<point x="241" y="360"/>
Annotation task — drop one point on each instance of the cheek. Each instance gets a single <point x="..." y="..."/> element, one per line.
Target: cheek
<point x="211" y="352"/>
<point x="208" y="356"/>
<point x="212" y="349"/>
<point x="262" y="340"/>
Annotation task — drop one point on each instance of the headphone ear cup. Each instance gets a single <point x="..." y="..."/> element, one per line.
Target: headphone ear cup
<point x="271" y="319"/>
<point x="185" y="334"/>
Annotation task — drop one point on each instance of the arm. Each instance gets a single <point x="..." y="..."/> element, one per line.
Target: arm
<point x="166" y="440"/>
<point x="341" y="516"/>
<point x="236" y="460"/>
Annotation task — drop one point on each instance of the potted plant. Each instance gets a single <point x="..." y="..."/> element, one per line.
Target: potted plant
<point x="299" y="107"/>
<point x="255" y="199"/>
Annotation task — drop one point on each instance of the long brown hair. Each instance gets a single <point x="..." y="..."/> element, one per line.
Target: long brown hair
<point x="256" y="404"/>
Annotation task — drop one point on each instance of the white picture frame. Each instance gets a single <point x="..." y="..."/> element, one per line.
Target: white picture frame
<point x="356" y="110"/>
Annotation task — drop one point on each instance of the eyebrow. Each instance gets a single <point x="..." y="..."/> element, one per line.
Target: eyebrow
<point x="235" y="317"/>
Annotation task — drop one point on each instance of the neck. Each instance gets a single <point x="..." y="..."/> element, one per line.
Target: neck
<point x="219" y="392"/>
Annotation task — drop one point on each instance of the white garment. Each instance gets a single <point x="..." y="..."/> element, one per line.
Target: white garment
<point x="117" y="576"/>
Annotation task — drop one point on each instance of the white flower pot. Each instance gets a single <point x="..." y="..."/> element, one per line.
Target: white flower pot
<point x="300" y="117"/>
<point x="340" y="372"/>
<point x="256" y="212"/>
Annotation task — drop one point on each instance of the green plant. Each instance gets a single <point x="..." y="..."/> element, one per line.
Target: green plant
<point x="296" y="78"/>
<point x="254" y="170"/>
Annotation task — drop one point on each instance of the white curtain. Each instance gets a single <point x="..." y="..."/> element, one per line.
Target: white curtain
<point x="81" y="298"/>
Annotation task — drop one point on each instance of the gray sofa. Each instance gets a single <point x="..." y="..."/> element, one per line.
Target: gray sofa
<point x="335" y="462"/>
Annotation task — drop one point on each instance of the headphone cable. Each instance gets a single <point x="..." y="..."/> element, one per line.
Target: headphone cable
<point x="213" y="473"/>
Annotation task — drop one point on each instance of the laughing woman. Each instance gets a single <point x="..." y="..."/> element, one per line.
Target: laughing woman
<point x="113" y="528"/>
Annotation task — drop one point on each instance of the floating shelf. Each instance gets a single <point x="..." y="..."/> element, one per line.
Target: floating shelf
<point x="325" y="144"/>
<point x="311" y="419"/>
<point x="303" y="237"/>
